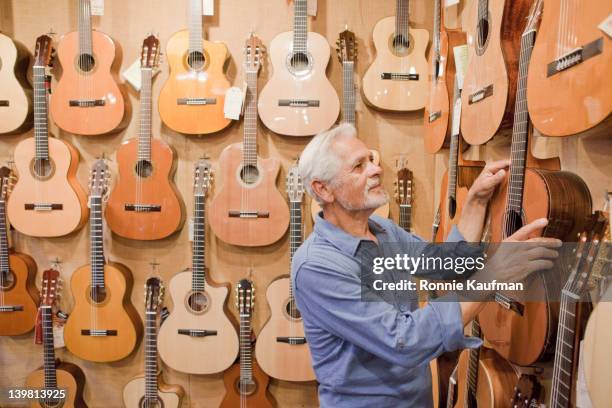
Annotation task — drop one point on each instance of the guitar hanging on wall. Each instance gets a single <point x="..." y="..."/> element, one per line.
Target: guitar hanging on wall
<point x="47" y="200"/>
<point x="145" y="204"/>
<point x="192" y="99"/>
<point x="403" y="194"/>
<point x="15" y="92"/>
<point x="396" y="80"/>
<point x="299" y="100"/>
<point x="249" y="210"/>
<point x="87" y="99"/>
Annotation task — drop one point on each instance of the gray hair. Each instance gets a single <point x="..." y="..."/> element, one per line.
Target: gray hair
<point x="319" y="161"/>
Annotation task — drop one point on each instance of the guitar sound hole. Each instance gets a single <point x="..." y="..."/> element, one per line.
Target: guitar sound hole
<point x="86" y="62"/>
<point x="51" y="403"/>
<point x="249" y="174"/>
<point x="42" y="168"/>
<point x="198" y="302"/>
<point x="513" y="221"/>
<point x="299" y="62"/>
<point x="144" y="168"/>
<point x="196" y="60"/>
<point x="401" y="44"/>
<point x="292" y="310"/>
<point x="483" y="33"/>
<point x="151" y="402"/>
<point x="98" y="295"/>
<point x="246" y="387"/>
<point x="7" y="280"/>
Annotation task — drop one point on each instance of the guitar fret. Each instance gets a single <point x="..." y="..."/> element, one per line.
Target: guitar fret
<point x="402" y="18"/>
<point x="300" y="26"/>
<point x="48" y="347"/>
<point x="84" y="28"/>
<point x="195" y="26"/>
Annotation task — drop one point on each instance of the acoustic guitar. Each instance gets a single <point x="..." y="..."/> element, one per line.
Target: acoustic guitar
<point x="87" y="99"/>
<point x="437" y="117"/>
<point x="489" y="88"/>
<point x="571" y="53"/>
<point x="347" y="54"/>
<point x="145" y="204"/>
<point x="18" y="294"/>
<point x="528" y="392"/>
<point x="403" y="194"/>
<point x="246" y="385"/>
<point x="198" y="337"/>
<point x="299" y="100"/>
<point x="192" y="99"/>
<point x="15" y="90"/>
<point x="150" y="391"/>
<point x="522" y="332"/>
<point x="396" y="80"/>
<point x="281" y="347"/>
<point x="249" y="210"/>
<point x="47" y="200"/>
<point x="103" y="325"/>
<point x="55" y="375"/>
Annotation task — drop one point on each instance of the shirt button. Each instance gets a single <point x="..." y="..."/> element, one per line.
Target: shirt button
<point x="400" y="344"/>
<point x="403" y="308"/>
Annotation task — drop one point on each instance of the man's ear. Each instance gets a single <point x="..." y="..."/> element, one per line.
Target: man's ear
<point x="322" y="191"/>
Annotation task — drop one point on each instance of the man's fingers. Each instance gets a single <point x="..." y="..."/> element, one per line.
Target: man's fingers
<point x="539" y="265"/>
<point x="546" y="242"/>
<point x="542" y="253"/>
<point x="494" y="167"/>
<point x="529" y="229"/>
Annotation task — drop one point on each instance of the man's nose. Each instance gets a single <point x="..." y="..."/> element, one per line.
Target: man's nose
<point x="374" y="170"/>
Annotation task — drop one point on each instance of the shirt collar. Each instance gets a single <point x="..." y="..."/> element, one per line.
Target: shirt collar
<point x="341" y="239"/>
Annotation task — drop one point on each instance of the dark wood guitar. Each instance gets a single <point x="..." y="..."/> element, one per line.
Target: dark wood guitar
<point x="528" y="392"/>
<point x="246" y="385"/>
<point x="15" y="92"/>
<point x="437" y="117"/>
<point x="18" y="294"/>
<point x="403" y="194"/>
<point x="249" y="210"/>
<point x="524" y="332"/>
<point x="55" y="375"/>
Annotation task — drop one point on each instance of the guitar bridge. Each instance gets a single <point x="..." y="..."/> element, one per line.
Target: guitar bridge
<point x="142" y="207"/>
<point x="14" y="308"/>
<point x="197" y="332"/>
<point x="42" y="207"/>
<point x="575" y="57"/>
<point x="4" y="103"/>
<point x="435" y="115"/>
<point x="98" y="333"/>
<point x="396" y="76"/>
<point x="249" y="214"/>
<point x="510" y="304"/>
<point x="86" y="103"/>
<point x="196" y="101"/>
<point x="299" y="103"/>
<point x="291" y="340"/>
<point x="481" y="94"/>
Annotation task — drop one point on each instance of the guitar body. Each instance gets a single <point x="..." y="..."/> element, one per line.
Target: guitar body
<point x="114" y="313"/>
<point x="394" y="95"/>
<point x="257" y="396"/>
<point x="60" y="186"/>
<point x="15" y="91"/>
<point x="573" y="100"/>
<point x="494" y="63"/>
<point x="170" y="396"/>
<point x="197" y="355"/>
<point x="496" y="379"/>
<point x="564" y="199"/>
<point x="20" y="290"/>
<point x="156" y="189"/>
<point x="69" y="377"/>
<point x="99" y="83"/>
<point x="262" y="196"/>
<point x="287" y="362"/>
<point x="310" y="84"/>
<point x="185" y="82"/>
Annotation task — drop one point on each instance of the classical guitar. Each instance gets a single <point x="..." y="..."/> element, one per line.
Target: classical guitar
<point x="249" y="210"/>
<point x="396" y="80"/>
<point x="528" y="392"/>
<point x="299" y="100"/>
<point x="347" y="54"/>
<point x="489" y="88"/>
<point x="198" y="336"/>
<point x="47" y="200"/>
<point x="103" y="325"/>
<point x="149" y="390"/>
<point x="18" y="294"/>
<point x="281" y="347"/>
<point x="145" y="204"/>
<point x="15" y="90"/>
<point x="87" y="99"/>
<point x="437" y="117"/>
<point x="403" y="194"/>
<point x="522" y="332"/>
<point x="569" y="329"/>
<point x="192" y="99"/>
<point x="245" y="383"/>
<point x="55" y="375"/>
<point x="484" y="379"/>
<point x="572" y="52"/>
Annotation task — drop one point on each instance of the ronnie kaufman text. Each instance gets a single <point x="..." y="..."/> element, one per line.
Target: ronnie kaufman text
<point x="469" y="284"/>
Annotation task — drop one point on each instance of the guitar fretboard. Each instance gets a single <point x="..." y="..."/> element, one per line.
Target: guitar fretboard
<point x="150" y="355"/>
<point x="405" y="216"/>
<point x="41" y="132"/>
<point x="144" y="134"/>
<point x="84" y="28"/>
<point x="48" y="347"/>
<point x="249" y="152"/>
<point x="401" y="18"/>
<point x="473" y="361"/>
<point x="195" y="26"/>
<point x="96" y="252"/>
<point x="295" y="238"/>
<point x="438" y="10"/>
<point x="564" y="359"/>
<point x="4" y="248"/>
<point x="348" y="92"/>
<point x="483" y="12"/>
<point x="300" y="26"/>
<point x="198" y="262"/>
<point x="453" y="157"/>
<point x="246" y="360"/>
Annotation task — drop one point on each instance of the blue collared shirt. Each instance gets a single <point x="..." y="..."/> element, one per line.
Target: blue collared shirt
<point x="368" y="354"/>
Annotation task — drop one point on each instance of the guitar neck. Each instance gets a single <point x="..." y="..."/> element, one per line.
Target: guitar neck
<point x="4" y="248"/>
<point x="483" y="10"/>
<point x="453" y="157"/>
<point x="97" y="242"/>
<point x="84" y="28"/>
<point x="438" y="13"/>
<point x="300" y="26"/>
<point x="564" y="356"/>
<point x="150" y="356"/>
<point x="348" y="92"/>
<point x="144" y="134"/>
<point x="295" y="238"/>
<point x="198" y="262"/>
<point x="401" y="18"/>
<point x="48" y="347"/>
<point x="41" y="131"/>
<point x="195" y="26"/>
<point x="246" y="359"/>
<point x="249" y="152"/>
<point x="405" y="216"/>
<point x="473" y="362"/>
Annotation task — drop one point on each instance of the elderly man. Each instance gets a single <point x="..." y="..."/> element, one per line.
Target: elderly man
<point x="376" y="354"/>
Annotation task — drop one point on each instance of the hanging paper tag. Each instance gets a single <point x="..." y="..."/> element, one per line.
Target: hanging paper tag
<point x="132" y="75"/>
<point x="606" y="25"/>
<point x="97" y="7"/>
<point x="191" y="233"/>
<point x="234" y="98"/>
<point x="208" y="7"/>
<point x="456" y="117"/>
<point x="311" y="7"/>
<point x="461" y="60"/>
<point x="58" y="331"/>
<point x="448" y="3"/>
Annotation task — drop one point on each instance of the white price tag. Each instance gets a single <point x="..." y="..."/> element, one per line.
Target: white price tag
<point x="448" y="3"/>
<point x="132" y="75"/>
<point x="234" y="98"/>
<point x="58" y="334"/>
<point x="461" y="60"/>
<point x="311" y="7"/>
<point x="97" y="7"/>
<point x="456" y="117"/>
<point x="191" y="232"/>
<point x="208" y="7"/>
<point x="606" y="26"/>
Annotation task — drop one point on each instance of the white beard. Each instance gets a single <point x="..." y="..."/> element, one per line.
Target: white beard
<point x="370" y="202"/>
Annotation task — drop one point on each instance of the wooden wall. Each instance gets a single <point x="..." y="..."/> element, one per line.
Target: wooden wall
<point x="392" y="134"/>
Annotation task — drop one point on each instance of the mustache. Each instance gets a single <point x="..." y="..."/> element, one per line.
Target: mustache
<point x="373" y="182"/>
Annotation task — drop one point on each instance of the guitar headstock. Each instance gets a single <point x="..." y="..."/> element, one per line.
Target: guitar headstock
<point x="98" y="179"/>
<point x="43" y="53"/>
<point x="403" y="183"/>
<point x="346" y="46"/>
<point x="527" y="393"/>
<point x="50" y="287"/>
<point x="149" y="56"/>
<point x="154" y="294"/>
<point x="6" y="183"/>
<point x="202" y="177"/>
<point x="295" y="187"/>
<point x="254" y="52"/>
<point x="245" y="297"/>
